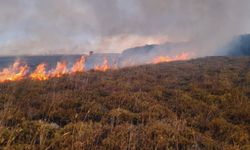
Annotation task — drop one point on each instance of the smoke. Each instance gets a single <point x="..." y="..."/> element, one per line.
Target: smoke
<point x="78" y="26"/>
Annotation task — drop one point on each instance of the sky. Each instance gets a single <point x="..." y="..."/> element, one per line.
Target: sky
<point x="34" y="27"/>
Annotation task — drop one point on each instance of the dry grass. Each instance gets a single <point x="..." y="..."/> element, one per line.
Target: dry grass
<point x="197" y="104"/>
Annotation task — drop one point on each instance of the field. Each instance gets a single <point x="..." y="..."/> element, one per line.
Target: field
<point x="197" y="104"/>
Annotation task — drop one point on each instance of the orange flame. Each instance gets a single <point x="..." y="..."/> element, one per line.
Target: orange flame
<point x="79" y="66"/>
<point x="160" y="59"/>
<point x="61" y="69"/>
<point x="14" y="72"/>
<point x="18" y="71"/>
<point x="103" y="67"/>
<point x="39" y="73"/>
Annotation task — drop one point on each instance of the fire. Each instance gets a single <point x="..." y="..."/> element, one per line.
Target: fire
<point x="19" y="71"/>
<point x="79" y="66"/>
<point x="39" y="73"/>
<point x="103" y="67"/>
<point x="13" y="73"/>
<point x="61" y="69"/>
<point x="160" y="59"/>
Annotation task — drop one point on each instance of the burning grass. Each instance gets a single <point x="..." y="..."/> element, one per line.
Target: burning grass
<point x="20" y="70"/>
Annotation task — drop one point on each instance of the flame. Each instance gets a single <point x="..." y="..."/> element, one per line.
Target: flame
<point x="79" y="66"/>
<point x="160" y="59"/>
<point x="19" y="71"/>
<point x="39" y="73"/>
<point x="13" y="73"/>
<point x="103" y="67"/>
<point x="61" y="69"/>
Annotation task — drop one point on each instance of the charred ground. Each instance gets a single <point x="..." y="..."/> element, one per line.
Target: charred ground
<point x="197" y="104"/>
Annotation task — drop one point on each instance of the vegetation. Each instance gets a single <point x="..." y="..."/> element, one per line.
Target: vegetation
<point x="197" y="104"/>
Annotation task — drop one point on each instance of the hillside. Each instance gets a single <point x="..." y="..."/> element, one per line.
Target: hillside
<point x="144" y="54"/>
<point x="197" y="104"/>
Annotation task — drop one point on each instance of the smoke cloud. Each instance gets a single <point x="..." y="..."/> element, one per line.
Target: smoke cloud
<point x="78" y="26"/>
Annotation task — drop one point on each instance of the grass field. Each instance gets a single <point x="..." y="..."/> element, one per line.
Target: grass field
<point x="197" y="104"/>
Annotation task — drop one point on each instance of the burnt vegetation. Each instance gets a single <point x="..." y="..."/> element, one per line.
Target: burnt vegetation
<point x="197" y="104"/>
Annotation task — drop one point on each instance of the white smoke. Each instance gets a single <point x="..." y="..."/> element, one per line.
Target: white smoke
<point x="77" y="26"/>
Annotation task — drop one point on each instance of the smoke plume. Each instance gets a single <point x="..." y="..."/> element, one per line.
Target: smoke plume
<point x="77" y="26"/>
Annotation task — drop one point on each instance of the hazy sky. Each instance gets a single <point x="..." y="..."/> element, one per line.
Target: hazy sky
<point x="78" y="26"/>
